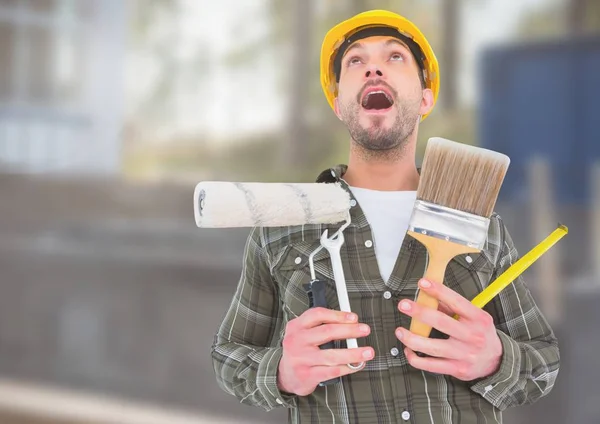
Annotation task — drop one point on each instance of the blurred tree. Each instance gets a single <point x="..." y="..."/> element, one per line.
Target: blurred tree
<point x="288" y="37"/>
<point x="155" y="35"/>
<point x="334" y="145"/>
<point x="573" y="17"/>
<point x="358" y="6"/>
<point x="449" y="51"/>
<point x="576" y="16"/>
<point x="294" y="152"/>
<point x="314" y="137"/>
<point x="583" y="16"/>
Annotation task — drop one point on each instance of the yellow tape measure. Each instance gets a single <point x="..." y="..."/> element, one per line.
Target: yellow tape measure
<point x="518" y="268"/>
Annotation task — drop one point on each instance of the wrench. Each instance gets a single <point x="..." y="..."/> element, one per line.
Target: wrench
<point x="318" y="249"/>
<point x="333" y="246"/>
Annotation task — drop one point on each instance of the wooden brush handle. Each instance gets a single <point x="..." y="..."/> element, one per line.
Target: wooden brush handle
<point x="436" y="270"/>
<point x="440" y="253"/>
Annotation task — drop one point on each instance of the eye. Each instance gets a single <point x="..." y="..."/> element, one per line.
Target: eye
<point x="397" y="56"/>
<point x="353" y="60"/>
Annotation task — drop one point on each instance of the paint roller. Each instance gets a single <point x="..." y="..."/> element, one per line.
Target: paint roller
<point x="223" y="204"/>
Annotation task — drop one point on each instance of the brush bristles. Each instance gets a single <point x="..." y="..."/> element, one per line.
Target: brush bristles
<point x="462" y="177"/>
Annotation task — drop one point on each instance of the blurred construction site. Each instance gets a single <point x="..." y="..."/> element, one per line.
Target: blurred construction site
<point x="111" y="111"/>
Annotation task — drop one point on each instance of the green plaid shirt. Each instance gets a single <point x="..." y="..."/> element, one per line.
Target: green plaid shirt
<point x="247" y="348"/>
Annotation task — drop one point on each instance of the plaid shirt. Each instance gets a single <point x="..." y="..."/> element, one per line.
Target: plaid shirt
<point x="247" y="347"/>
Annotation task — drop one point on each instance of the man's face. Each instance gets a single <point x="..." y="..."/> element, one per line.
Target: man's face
<point x="380" y="96"/>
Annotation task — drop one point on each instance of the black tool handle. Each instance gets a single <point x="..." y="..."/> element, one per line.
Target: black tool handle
<point x="320" y="300"/>
<point x="317" y="298"/>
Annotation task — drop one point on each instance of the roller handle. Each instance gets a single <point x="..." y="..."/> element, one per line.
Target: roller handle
<point x="316" y="299"/>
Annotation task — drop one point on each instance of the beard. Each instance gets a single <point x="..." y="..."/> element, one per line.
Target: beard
<point x="377" y="140"/>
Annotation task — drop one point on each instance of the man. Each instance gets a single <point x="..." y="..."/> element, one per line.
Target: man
<point x="380" y="76"/>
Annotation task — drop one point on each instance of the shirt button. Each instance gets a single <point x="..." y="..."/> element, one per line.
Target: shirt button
<point x="469" y="259"/>
<point x="368" y="243"/>
<point x="405" y="415"/>
<point x="279" y="401"/>
<point x="352" y="202"/>
<point x="394" y="351"/>
<point x="387" y="295"/>
<point x="298" y="260"/>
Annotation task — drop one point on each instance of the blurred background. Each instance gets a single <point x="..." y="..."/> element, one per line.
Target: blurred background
<point x="112" y="110"/>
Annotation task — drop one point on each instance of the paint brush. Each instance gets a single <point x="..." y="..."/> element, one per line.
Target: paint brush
<point x="457" y="192"/>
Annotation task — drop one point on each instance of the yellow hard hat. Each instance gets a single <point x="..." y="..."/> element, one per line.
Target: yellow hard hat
<point x="340" y="37"/>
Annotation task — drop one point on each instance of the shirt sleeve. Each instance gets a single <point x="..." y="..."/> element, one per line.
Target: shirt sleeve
<point x="530" y="361"/>
<point x="246" y="351"/>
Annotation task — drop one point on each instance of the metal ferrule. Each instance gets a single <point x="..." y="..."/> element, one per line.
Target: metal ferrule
<point x="449" y="224"/>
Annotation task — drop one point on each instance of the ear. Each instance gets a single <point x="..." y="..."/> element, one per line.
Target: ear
<point x="336" y="107"/>
<point x="426" y="102"/>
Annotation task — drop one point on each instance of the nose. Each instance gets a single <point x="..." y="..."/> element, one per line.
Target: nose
<point x="373" y="72"/>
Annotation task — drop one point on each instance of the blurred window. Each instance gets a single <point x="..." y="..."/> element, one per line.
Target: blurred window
<point x="43" y="46"/>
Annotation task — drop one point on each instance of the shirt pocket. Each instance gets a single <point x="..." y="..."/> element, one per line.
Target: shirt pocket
<point x="469" y="274"/>
<point x="293" y="273"/>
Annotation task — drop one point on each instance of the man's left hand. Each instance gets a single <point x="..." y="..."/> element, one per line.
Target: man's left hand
<point x="473" y="349"/>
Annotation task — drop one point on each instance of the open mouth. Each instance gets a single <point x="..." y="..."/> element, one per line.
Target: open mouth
<point x="377" y="100"/>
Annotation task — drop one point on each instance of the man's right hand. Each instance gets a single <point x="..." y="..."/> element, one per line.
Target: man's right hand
<point x="304" y="365"/>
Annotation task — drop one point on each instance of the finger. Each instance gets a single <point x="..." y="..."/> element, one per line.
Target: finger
<point x="317" y="336"/>
<point x="438" y="348"/>
<point x="436" y="319"/>
<point x="334" y="357"/>
<point x="317" y="316"/>
<point x="322" y="373"/>
<point x="455" y="302"/>
<point x="435" y="365"/>
<point x="443" y="308"/>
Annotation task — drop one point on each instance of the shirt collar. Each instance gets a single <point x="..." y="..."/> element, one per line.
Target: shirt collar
<point x="333" y="174"/>
<point x="336" y="173"/>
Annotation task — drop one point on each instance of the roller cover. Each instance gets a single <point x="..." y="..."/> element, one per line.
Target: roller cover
<point x="223" y="204"/>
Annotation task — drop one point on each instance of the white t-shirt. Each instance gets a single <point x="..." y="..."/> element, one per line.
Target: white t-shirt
<point x="388" y="214"/>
